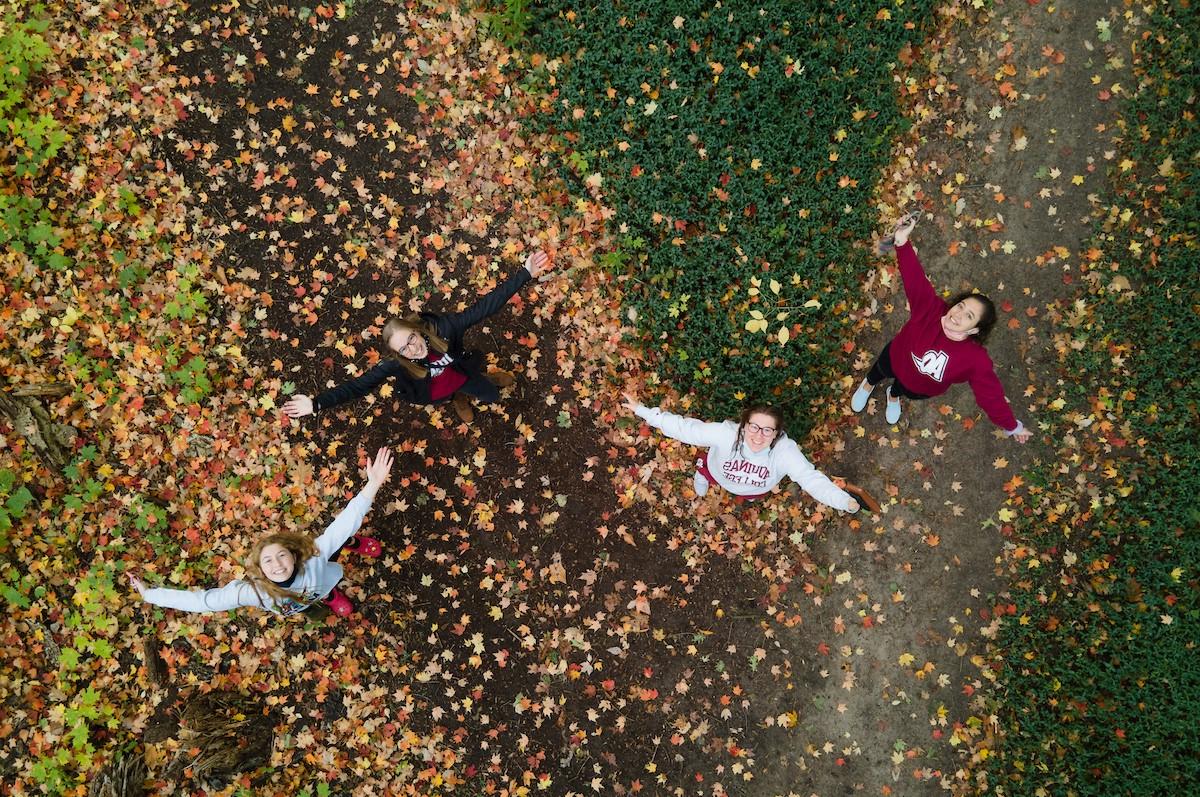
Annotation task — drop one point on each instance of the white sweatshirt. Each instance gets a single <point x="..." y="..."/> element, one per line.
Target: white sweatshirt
<point x="316" y="579"/>
<point x="744" y="472"/>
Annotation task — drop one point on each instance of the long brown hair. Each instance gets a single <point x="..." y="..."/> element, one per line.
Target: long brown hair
<point x="766" y="409"/>
<point x="300" y="546"/>
<point x="414" y="323"/>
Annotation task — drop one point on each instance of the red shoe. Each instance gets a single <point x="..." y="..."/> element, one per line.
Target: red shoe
<point x="364" y="545"/>
<point x="338" y="603"/>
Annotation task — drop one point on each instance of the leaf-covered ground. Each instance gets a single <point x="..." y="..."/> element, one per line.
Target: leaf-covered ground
<point x="254" y="190"/>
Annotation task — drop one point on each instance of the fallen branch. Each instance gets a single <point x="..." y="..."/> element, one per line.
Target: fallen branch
<point x="52" y="441"/>
<point x="864" y="497"/>
<point x="52" y="389"/>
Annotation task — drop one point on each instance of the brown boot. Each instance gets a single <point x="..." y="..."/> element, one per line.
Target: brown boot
<point x="462" y="406"/>
<point x="501" y="378"/>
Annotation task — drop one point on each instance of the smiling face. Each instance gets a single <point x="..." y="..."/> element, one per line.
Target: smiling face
<point x="408" y="343"/>
<point x="277" y="563"/>
<point x="962" y="320"/>
<point x="759" y="431"/>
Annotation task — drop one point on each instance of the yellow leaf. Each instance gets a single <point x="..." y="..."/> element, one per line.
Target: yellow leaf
<point x="905" y="659"/>
<point x="784" y="335"/>
<point x="756" y="323"/>
<point x="1167" y="167"/>
<point x="999" y="463"/>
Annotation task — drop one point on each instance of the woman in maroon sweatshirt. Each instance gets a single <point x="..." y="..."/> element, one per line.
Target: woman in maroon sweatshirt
<point x="941" y="345"/>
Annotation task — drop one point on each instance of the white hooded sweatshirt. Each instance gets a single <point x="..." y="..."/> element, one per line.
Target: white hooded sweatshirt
<point x="744" y="472"/>
<point x="315" y="579"/>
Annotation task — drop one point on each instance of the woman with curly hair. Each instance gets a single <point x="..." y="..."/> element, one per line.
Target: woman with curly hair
<point x="287" y="572"/>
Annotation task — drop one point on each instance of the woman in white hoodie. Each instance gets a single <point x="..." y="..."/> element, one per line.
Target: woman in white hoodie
<point x="288" y="572"/>
<point x="747" y="457"/>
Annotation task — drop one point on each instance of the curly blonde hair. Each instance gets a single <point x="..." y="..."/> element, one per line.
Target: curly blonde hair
<point x="300" y="546"/>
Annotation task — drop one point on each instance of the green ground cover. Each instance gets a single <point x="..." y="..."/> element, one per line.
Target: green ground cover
<point x="739" y="146"/>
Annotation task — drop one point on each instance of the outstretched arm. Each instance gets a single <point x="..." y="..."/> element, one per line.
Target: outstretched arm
<point x="816" y="483"/>
<point x="492" y="302"/>
<point x="989" y="395"/>
<point x="921" y="295"/>
<point x="917" y="288"/>
<point x="350" y="519"/>
<point x="356" y="388"/>
<point x="686" y="430"/>
<point x="231" y="596"/>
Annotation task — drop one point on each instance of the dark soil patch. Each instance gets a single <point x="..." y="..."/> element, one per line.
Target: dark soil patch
<point x="515" y="533"/>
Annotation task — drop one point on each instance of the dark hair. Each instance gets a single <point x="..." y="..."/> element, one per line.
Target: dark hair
<point x="766" y="409"/>
<point x="987" y="319"/>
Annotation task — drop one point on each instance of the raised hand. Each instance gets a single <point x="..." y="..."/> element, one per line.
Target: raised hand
<point x="137" y="583"/>
<point x="379" y="468"/>
<point x="537" y="262"/>
<point x="298" y="406"/>
<point x="905" y="226"/>
<point x="631" y="402"/>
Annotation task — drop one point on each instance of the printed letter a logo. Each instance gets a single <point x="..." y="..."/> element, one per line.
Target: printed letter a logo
<point x="932" y="364"/>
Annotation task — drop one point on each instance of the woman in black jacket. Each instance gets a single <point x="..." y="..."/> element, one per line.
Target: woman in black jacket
<point x="430" y="363"/>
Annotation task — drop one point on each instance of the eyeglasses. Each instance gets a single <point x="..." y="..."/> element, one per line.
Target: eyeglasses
<point x="411" y="343"/>
<point x="763" y="430"/>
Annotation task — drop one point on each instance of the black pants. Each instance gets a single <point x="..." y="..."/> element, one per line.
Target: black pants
<point x="473" y="366"/>
<point x="482" y="388"/>
<point x="881" y="369"/>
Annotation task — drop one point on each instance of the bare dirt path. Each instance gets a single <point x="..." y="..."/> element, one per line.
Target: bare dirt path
<point x="1006" y="168"/>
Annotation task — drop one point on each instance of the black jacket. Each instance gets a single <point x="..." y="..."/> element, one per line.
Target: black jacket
<point x="450" y="328"/>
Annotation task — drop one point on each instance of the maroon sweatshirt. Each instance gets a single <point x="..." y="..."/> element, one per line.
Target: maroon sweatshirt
<point x="926" y="361"/>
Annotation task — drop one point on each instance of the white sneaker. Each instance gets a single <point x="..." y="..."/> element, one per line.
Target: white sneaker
<point x="892" y="413"/>
<point x="700" y="484"/>
<point x="858" y="402"/>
